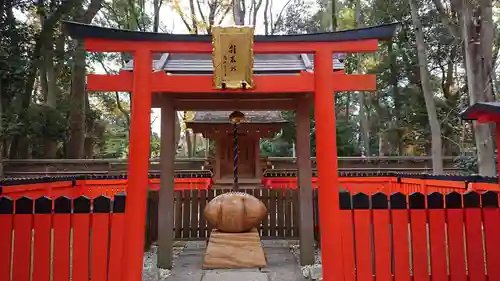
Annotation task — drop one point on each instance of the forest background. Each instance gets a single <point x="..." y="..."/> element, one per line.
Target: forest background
<point x="444" y="58"/>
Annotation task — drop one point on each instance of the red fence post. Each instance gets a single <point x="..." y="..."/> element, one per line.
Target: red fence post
<point x="81" y="239"/>
<point x="6" y="225"/>
<point x="23" y="225"/>
<point x="117" y="239"/>
<point x="62" y="238"/>
<point x="42" y="240"/>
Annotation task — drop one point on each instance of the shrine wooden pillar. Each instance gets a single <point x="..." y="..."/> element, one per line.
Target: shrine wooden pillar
<point x="258" y="169"/>
<point x="306" y="226"/>
<point x="497" y="130"/>
<point x="138" y="166"/>
<point x="326" y="158"/>
<point x="218" y="156"/>
<point x="166" y="196"/>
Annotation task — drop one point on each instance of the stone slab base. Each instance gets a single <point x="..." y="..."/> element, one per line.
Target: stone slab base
<point x="235" y="276"/>
<point x="234" y="250"/>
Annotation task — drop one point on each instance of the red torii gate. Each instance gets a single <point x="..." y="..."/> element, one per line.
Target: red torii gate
<point x="142" y="82"/>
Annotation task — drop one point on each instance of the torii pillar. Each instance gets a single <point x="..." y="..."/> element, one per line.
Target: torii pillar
<point x="327" y="164"/>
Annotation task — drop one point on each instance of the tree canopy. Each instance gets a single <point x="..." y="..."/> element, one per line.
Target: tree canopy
<point x="423" y="82"/>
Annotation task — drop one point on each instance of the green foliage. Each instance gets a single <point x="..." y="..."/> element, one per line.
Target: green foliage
<point x="396" y="112"/>
<point x="116" y="143"/>
<point x="46" y="122"/>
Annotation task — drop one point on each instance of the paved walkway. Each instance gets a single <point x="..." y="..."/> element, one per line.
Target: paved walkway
<point x="281" y="266"/>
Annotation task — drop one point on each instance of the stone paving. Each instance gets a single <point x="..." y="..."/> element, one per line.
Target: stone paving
<point x="281" y="265"/>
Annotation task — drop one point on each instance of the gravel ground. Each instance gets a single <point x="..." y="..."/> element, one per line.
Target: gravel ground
<point x="306" y="269"/>
<point x="150" y="271"/>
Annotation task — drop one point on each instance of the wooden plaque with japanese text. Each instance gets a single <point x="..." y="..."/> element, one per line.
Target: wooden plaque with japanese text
<point x="233" y="57"/>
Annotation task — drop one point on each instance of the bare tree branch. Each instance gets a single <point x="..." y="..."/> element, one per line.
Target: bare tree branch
<point x="280" y="16"/>
<point x="452" y="28"/>
<point x="256" y="10"/>
<point x="119" y="105"/>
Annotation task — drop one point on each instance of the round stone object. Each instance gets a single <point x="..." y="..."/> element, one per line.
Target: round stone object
<point x="235" y="212"/>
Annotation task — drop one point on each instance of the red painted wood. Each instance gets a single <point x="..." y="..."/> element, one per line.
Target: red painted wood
<point x="491" y="219"/>
<point x="362" y="238"/>
<point x="100" y="246"/>
<point x="437" y="241"/>
<point x="116" y="247"/>
<point x="401" y="247"/>
<point x="42" y="247"/>
<point x="81" y="237"/>
<point x="21" y="266"/>
<point x="138" y="168"/>
<point x="62" y="232"/>
<point x="327" y="164"/>
<point x="204" y="84"/>
<point x="104" y="45"/>
<point x="456" y="244"/>
<point x="475" y="251"/>
<point x="382" y="244"/>
<point x="346" y="226"/>
<point x="6" y="221"/>
<point x="418" y="228"/>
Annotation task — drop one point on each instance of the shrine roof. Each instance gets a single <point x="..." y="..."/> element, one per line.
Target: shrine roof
<point x="263" y="63"/>
<point x="80" y="30"/>
<point x="250" y="117"/>
<point x="484" y="112"/>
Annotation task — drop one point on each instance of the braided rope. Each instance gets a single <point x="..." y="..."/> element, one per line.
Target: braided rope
<point x="235" y="155"/>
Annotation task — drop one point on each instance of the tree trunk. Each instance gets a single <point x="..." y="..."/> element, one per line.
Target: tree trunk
<point x="77" y="117"/>
<point x="53" y="90"/>
<point x="334" y="14"/>
<point x="48" y="83"/>
<point x="267" y="27"/>
<point x="2" y="139"/>
<point x="156" y="16"/>
<point x="194" y="28"/>
<point x="89" y="147"/>
<point x="365" y="130"/>
<point x="76" y="142"/>
<point x="255" y="11"/>
<point x="477" y="76"/>
<point x="239" y="12"/>
<point x="397" y="98"/>
<point x="436" y="149"/>
<point x="19" y="146"/>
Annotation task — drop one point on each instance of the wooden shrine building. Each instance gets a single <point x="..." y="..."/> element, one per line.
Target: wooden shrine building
<point x="216" y="126"/>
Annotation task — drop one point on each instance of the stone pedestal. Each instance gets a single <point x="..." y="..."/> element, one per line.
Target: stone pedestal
<point x="234" y="250"/>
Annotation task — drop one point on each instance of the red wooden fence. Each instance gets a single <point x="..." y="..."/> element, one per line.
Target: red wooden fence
<point x="93" y="188"/>
<point x="398" y="237"/>
<point x="434" y="237"/>
<point x="367" y="184"/>
<point x="390" y="184"/>
<point x="67" y="239"/>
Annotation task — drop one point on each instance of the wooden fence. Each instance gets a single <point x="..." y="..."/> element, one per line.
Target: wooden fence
<point x="397" y="237"/>
<point x="190" y="223"/>
<point x="419" y="237"/>
<point x="62" y="239"/>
